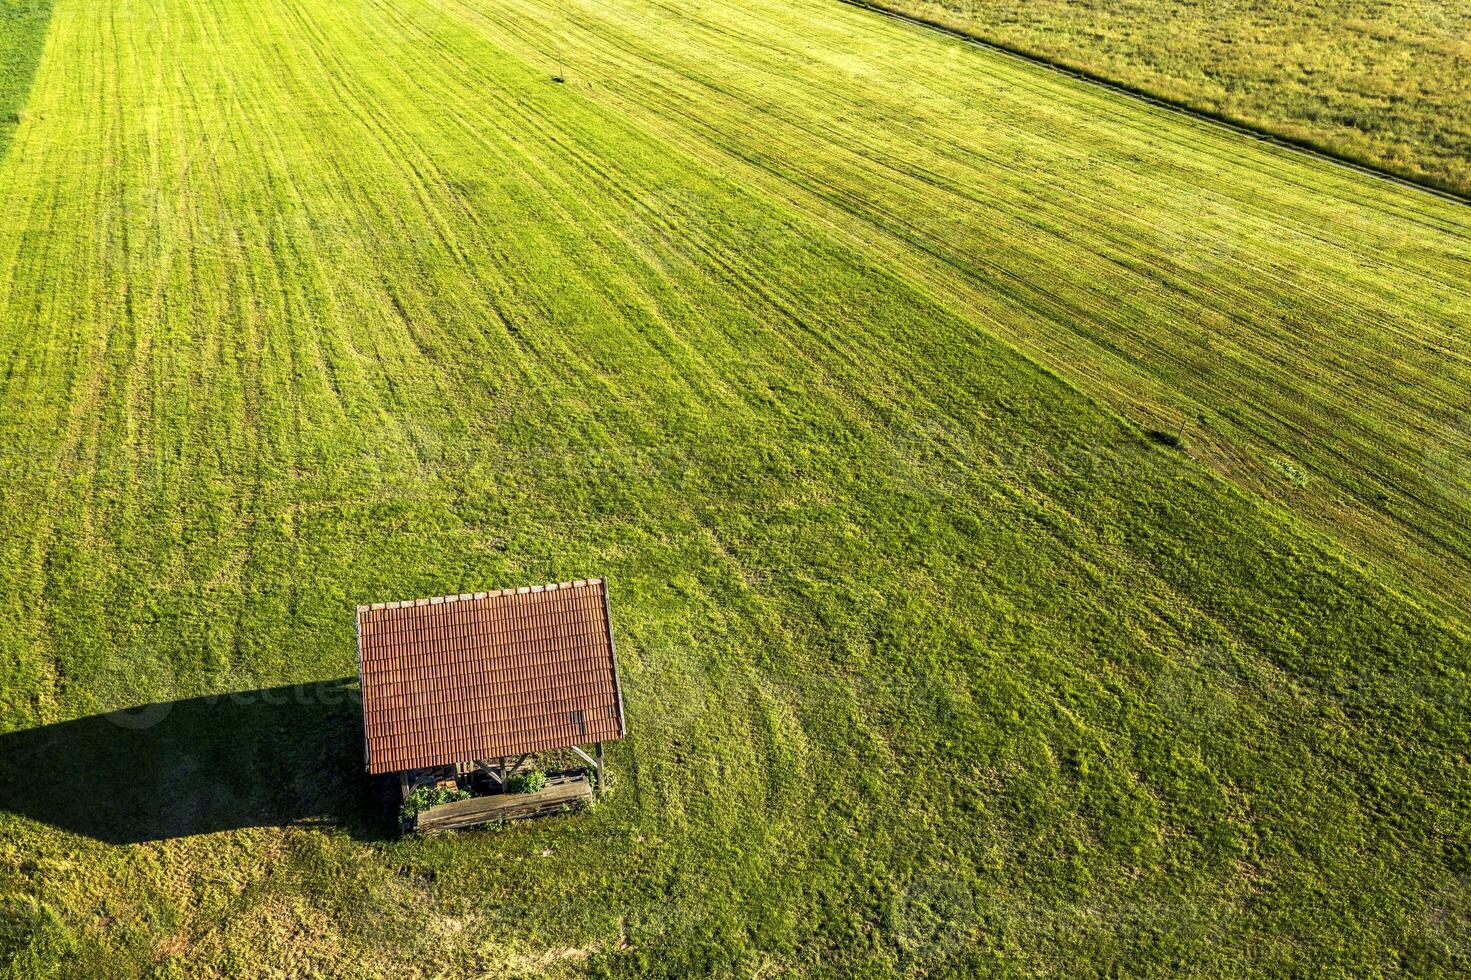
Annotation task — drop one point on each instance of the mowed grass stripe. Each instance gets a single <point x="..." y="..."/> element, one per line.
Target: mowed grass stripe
<point x="1176" y="270"/>
<point x="325" y="302"/>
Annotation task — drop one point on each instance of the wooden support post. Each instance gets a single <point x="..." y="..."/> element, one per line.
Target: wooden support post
<point x="596" y="763"/>
<point x="403" y="783"/>
<point x="503" y="770"/>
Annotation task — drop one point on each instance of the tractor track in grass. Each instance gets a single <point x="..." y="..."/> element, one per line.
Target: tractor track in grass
<point x="812" y="154"/>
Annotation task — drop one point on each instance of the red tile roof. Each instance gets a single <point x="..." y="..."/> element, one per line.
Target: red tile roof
<point x="465" y="677"/>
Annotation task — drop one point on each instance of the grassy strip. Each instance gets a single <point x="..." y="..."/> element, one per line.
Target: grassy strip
<point x="1297" y="321"/>
<point x="932" y="663"/>
<point x="22" y="36"/>
<point x="1383" y="86"/>
<point x="1239" y="124"/>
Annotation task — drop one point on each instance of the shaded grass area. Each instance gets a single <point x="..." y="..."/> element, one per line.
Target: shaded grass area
<point x="932" y="663"/>
<point x="22" y="36"/>
<point x="1385" y="84"/>
<point x="289" y="755"/>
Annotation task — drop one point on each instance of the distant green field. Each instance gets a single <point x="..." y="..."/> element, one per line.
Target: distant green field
<point x="853" y="357"/>
<point x="1387" y="83"/>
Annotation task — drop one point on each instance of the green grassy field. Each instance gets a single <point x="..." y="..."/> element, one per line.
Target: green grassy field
<point x="22" y="31"/>
<point x="836" y="347"/>
<point x="1383" y="83"/>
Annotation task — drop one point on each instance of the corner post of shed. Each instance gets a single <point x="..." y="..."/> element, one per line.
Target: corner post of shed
<point x="598" y="752"/>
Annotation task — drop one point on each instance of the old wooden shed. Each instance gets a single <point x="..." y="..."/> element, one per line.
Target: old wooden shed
<point x="461" y="690"/>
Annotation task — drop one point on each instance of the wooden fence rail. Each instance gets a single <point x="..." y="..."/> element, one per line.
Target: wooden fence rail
<point x="503" y="806"/>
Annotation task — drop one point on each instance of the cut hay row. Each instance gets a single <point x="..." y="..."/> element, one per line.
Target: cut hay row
<point x="1302" y="323"/>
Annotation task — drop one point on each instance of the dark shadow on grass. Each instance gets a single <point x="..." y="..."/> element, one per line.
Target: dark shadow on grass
<point x="23" y="25"/>
<point x="1169" y="440"/>
<point x="270" y="757"/>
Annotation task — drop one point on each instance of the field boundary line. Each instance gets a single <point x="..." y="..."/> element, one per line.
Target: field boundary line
<point x="1138" y="94"/>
